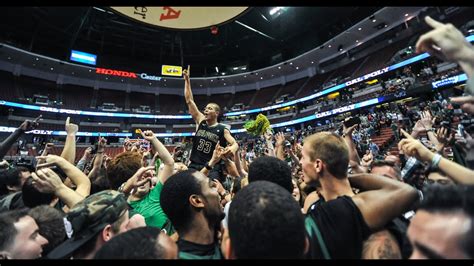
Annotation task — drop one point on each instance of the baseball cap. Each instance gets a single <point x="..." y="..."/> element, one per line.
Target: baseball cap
<point x="89" y="217"/>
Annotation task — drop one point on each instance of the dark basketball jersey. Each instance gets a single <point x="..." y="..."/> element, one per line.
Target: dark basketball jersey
<point x="205" y="141"/>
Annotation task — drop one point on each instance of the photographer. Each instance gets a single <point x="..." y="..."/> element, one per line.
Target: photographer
<point x="27" y="125"/>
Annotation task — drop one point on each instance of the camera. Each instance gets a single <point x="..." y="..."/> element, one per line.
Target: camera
<point x="352" y="121"/>
<point x="95" y="148"/>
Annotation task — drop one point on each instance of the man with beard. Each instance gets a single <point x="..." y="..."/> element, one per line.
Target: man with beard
<point x="192" y="203"/>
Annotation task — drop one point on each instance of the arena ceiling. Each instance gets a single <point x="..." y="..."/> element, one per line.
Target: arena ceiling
<point x="255" y="40"/>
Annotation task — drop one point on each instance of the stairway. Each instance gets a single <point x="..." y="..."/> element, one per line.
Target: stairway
<point x="384" y="140"/>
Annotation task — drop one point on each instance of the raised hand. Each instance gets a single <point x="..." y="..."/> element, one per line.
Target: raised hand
<point x="46" y="180"/>
<point x="348" y="131"/>
<point x="102" y="143"/>
<point x="413" y="147"/>
<point x="148" y="135"/>
<point x="49" y="160"/>
<point x="88" y="152"/>
<point x="28" y="125"/>
<point x="279" y="138"/>
<point x="140" y="177"/>
<point x="49" y="147"/>
<point x="127" y="145"/>
<point x="71" y="129"/>
<point x="217" y="155"/>
<point x="186" y="73"/>
<point x="444" y="41"/>
<point x="466" y="102"/>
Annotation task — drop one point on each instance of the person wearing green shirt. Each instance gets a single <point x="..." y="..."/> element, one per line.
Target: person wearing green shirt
<point x="144" y="198"/>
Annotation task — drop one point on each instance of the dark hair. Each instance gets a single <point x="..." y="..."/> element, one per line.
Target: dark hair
<point x="8" y="231"/>
<point x="266" y="222"/>
<point x="138" y="243"/>
<point x="450" y="199"/>
<point x="393" y="165"/>
<point x="271" y="169"/>
<point x="32" y="197"/>
<point x="9" y="177"/>
<point x="383" y="163"/>
<point x="174" y="198"/>
<point x="51" y="225"/>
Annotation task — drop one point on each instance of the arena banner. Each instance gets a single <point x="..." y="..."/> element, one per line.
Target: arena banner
<point x="168" y="70"/>
<point x="64" y="133"/>
<point x="180" y="17"/>
<point x="125" y="74"/>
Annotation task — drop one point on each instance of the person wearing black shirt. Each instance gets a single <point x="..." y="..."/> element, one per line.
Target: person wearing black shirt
<point x="209" y="131"/>
<point x="340" y="220"/>
<point x="192" y="203"/>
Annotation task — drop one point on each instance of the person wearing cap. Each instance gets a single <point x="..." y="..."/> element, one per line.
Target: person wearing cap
<point x="94" y="221"/>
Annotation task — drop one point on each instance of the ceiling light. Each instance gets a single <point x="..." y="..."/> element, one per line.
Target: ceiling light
<point x="374" y="20"/>
<point x="52" y="68"/>
<point x="235" y="68"/>
<point x="212" y="80"/>
<point x="37" y="58"/>
<point x="357" y="40"/>
<point x="274" y="10"/>
<point x="217" y="69"/>
<point x="359" y="28"/>
<point x="291" y="63"/>
<point x="200" y="85"/>
<point x="106" y="78"/>
<point x="312" y="62"/>
<point x="223" y="73"/>
<point x="9" y="58"/>
<point x="297" y="68"/>
<point x="329" y="46"/>
<point x="256" y="73"/>
<point x="261" y="77"/>
<point x="406" y="15"/>
<point x="224" y="84"/>
<point x="279" y="67"/>
<point x="164" y="80"/>
<point x="243" y="68"/>
<point x="90" y="70"/>
<point x="149" y="83"/>
<point x="245" y="76"/>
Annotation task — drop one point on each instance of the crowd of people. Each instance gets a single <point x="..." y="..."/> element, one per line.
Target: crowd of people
<point x="321" y="192"/>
